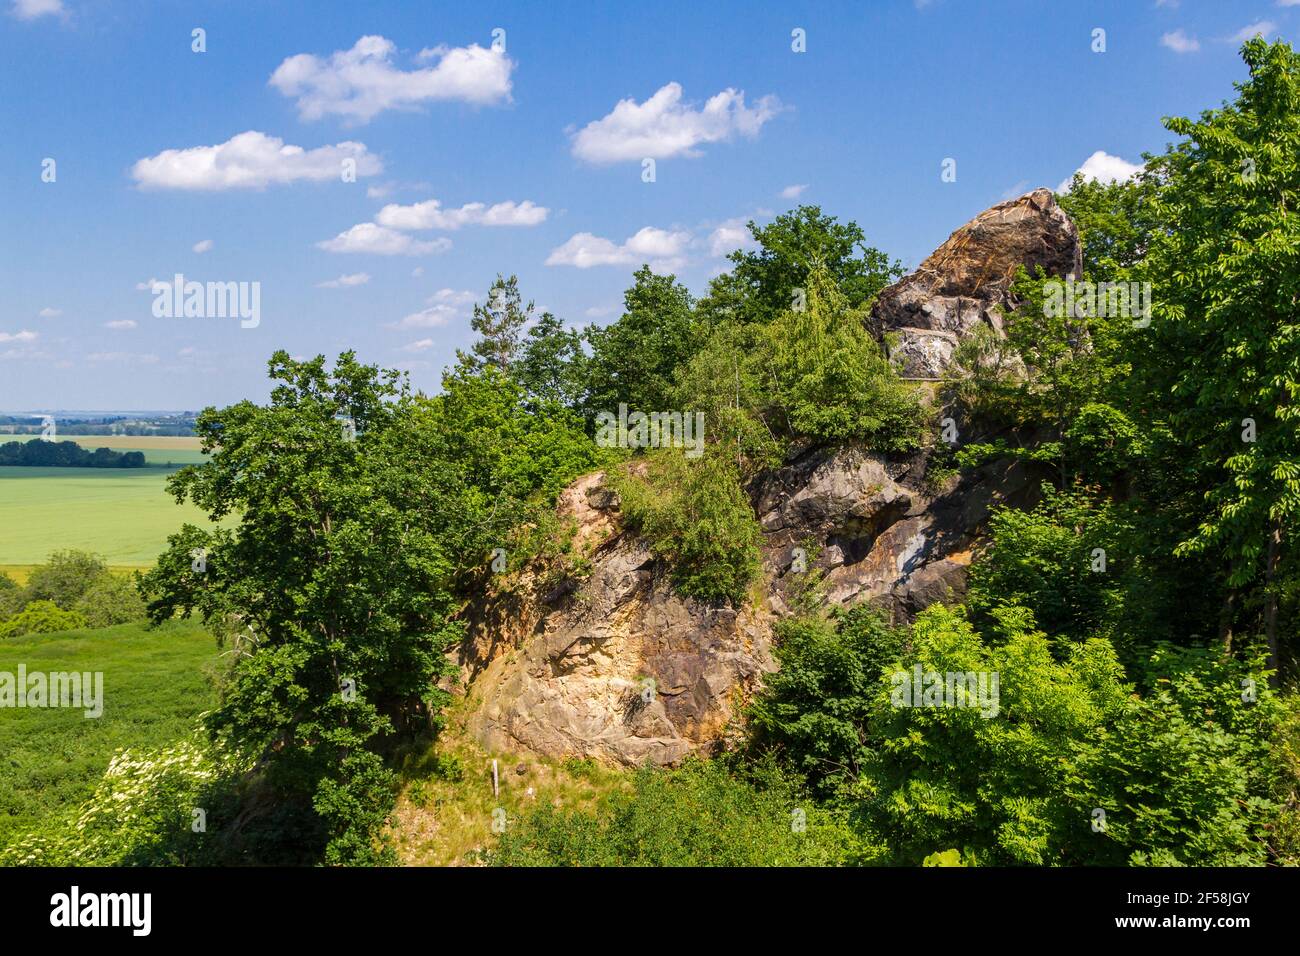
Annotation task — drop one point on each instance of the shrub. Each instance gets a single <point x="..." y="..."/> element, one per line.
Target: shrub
<point x="814" y="709"/>
<point x="833" y="378"/>
<point x="699" y="815"/>
<point x="65" y="577"/>
<point x="1179" y="774"/>
<point x="41" y="617"/>
<point x="695" y="516"/>
<point x="111" y="600"/>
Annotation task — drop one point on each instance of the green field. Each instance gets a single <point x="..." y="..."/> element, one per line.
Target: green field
<point x="158" y="449"/>
<point x="124" y="514"/>
<point x="156" y="684"/>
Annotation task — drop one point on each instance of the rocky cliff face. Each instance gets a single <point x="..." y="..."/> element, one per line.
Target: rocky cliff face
<point x="964" y="282"/>
<point x="613" y="665"/>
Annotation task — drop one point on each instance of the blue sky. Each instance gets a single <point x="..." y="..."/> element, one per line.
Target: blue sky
<point x="528" y="160"/>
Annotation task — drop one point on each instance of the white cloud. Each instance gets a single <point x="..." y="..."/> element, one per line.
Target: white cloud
<point x="120" y="324"/>
<point x="1261" y="28"/>
<point x="729" y="236"/>
<point x="663" y="126"/>
<point x="50" y="313"/>
<point x="345" y="281"/>
<point x="251" y="160"/>
<point x="362" y="82"/>
<point x="793" y="192"/>
<point x="382" y="241"/>
<point x="1102" y="167"/>
<point x="203" y="246"/>
<point x="418" y="346"/>
<point x="417" y="272"/>
<point x="600" y="311"/>
<point x="1288" y="3"/>
<point x="34" y="9"/>
<point x="381" y="191"/>
<point x="431" y="215"/>
<point x="1180" y="42"/>
<point x="444" y="307"/>
<point x="26" y="335"/>
<point x="659" y="247"/>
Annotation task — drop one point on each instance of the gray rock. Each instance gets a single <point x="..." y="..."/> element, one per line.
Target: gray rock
<point x="964" y="283"/>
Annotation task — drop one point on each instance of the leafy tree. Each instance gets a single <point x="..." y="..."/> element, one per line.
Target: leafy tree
<point x="727" y="381"/>
<point x="337" y="578"/>
<point x="831" y="376"/>
<point x="343" y="576"/>
<point x="763" y="281"/>
<point x="110" y="600"/>
<point x="634" y="358"/>
<point x="1116" y="221"/>
<point x="554" y="366"/>
<point x="1221" y="366"/>
<point x="65" y="577"/>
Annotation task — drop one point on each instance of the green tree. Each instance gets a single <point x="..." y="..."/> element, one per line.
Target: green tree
<point x="832" y="378"/>
<point x="763" y="282"/>
<point x="65" y="577"/>
<point x="634" y="358"/>
<point x="500" y="323"/>
<point x="110" y="600"/>
<point x="1222" y="361"/>
<point x="554" y="366"/>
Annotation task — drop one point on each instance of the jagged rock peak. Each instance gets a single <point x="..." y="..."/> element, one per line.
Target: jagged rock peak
<point x="965" y="281"/>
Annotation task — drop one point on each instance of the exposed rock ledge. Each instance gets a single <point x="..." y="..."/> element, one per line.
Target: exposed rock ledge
<point x="561" y="669"/>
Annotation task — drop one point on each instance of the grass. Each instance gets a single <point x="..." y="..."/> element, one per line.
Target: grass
<point x="156" y="683"/>
<point x="445" y="813"/>
<point x="123" y="514"/>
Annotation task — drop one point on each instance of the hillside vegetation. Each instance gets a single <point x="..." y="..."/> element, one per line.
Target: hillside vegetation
<point x="1139" y="620"/>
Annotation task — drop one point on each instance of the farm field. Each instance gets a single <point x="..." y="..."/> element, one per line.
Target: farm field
<point x="123" y="514"/>
<point x="156" y="683"/>
<point x="158" y="449"/>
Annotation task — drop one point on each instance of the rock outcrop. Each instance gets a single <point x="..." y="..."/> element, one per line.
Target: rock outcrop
<point x="610" y="663"/>
<point x="617" y="666"/>
<point x="965" y="281"/>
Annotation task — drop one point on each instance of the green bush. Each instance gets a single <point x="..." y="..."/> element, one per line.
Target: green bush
<point x="699" y="815"/>
<point x="813" y="710"/>
<point x="695" y="516"/>
<point x="111" y="600"/>
<point x="65" y="577"/>
<point x="833" y="379"/>
<point x="41" y="617"/>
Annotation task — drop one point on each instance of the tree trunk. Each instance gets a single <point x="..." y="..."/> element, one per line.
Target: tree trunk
<point x="1226" y="613"/>
<point x="1270" y="606"/>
